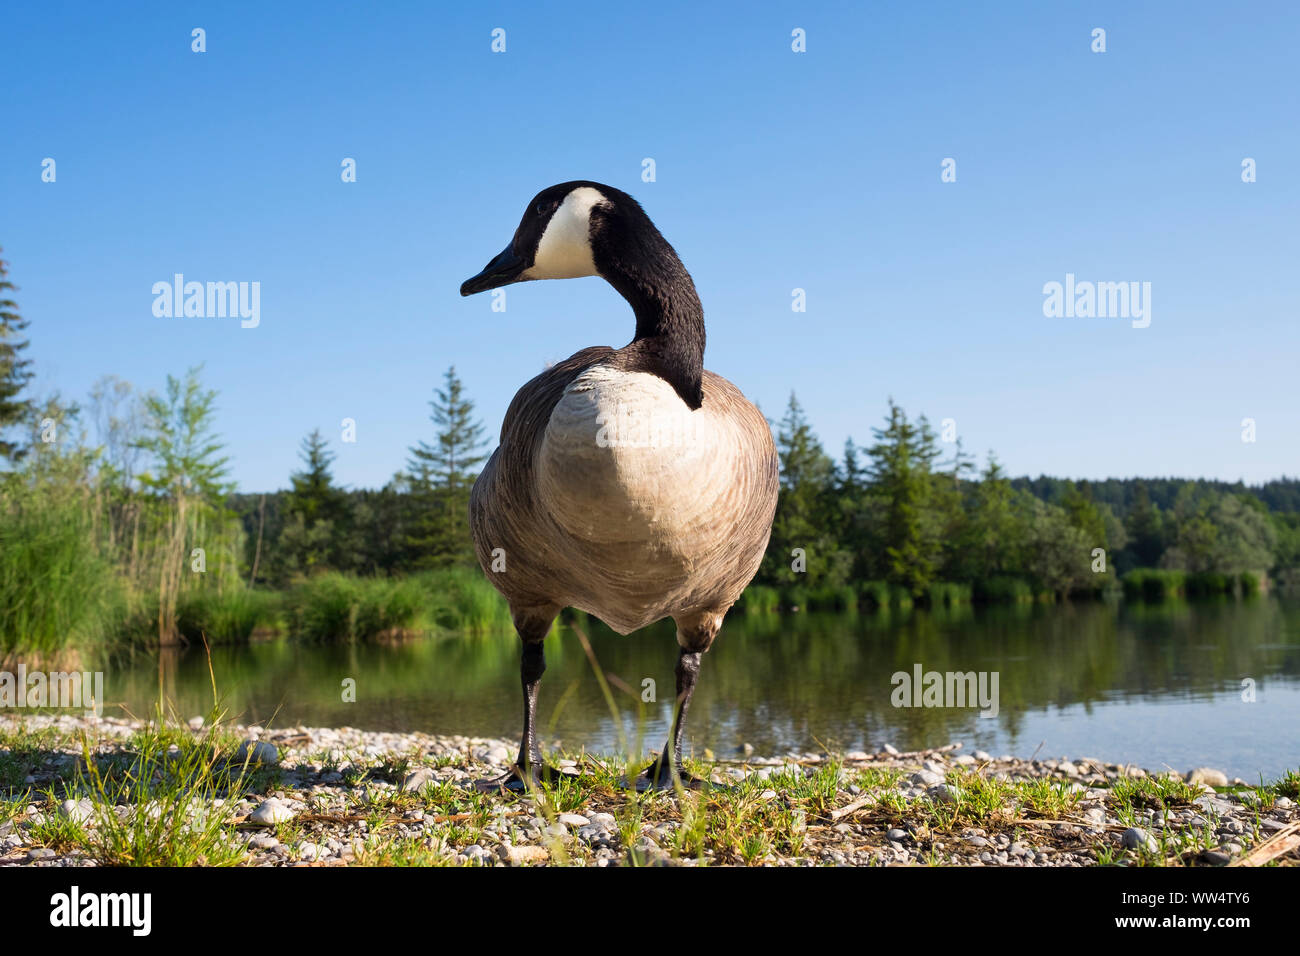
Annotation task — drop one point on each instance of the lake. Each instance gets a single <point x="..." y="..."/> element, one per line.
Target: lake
<point x="1157" y="685"/>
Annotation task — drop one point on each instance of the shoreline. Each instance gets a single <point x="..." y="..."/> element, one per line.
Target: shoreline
<point x="341" y="796"/>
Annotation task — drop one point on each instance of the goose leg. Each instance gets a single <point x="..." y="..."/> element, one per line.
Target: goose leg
<point x="529" y="766"/>
<point x="666" y="769"/>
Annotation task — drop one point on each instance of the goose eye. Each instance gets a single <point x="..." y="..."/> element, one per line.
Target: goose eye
<point x="545" y="208"/>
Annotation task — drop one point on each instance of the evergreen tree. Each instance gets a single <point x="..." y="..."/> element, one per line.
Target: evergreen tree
<point x="1146" y="529"/>
<point x="315" y="508"/>
<point x="14" y="369"/>
<point x="441" y="476"/>
<point x="1084" y="514"/>
<point x="901" y="460"/>
<point x="804" y="509"/>
<point x="992" y="543"/>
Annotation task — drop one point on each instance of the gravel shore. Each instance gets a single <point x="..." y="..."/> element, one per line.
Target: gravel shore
<point x="341" y="796"/>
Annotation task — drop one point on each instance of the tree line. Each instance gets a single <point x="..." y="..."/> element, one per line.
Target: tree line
<point x="909" y="514"/>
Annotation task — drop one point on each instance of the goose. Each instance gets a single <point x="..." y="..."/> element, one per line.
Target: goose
<point x="629" y="483"/>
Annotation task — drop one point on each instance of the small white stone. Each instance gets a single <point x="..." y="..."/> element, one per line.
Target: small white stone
<point x="271" y="812"/>
<point x="1135" y="837"/>
<point x="82" y="811"/>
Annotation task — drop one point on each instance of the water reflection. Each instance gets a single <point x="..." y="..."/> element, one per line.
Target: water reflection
<point x="1152" y="684"/>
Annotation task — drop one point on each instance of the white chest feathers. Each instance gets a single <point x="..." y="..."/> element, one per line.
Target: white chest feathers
<point x="624" y="460"/>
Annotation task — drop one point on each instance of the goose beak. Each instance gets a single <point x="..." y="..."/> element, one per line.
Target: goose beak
<point x="503" y="270"/>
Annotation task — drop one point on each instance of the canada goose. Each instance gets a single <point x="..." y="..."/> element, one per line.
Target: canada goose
<point x="629" y="483"/>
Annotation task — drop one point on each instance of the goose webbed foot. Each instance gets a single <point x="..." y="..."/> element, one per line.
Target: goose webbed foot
<point x="518" y="779"/>
<point x="660" y="776"/>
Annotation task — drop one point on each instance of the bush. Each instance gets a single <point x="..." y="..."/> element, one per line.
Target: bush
<point x="1210" y="584"/>
<point x="1002" y="589"/>
<point x="947" y="594"/>
<point x="794" y="599"/>
<point x="1153" y="584"/>
<point x="843" y="599"/>
<point x="230" y="616"/>
<point x="759" y="599"/>
<point x="875" y="595"/>
<point x="900" y="598"/>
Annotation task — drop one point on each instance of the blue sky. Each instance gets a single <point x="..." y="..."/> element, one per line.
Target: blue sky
<point x="775" y="170"/>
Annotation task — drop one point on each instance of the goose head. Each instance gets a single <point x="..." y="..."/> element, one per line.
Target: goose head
<point x="554" y="239"/>
<point x="583" y="228"/>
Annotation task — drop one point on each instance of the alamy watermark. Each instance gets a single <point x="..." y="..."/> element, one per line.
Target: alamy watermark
<point x="923" y="688"/>
<point x="1098" y="300"/>
<point x="56" y="689"/>
<point x="208" y="300"/>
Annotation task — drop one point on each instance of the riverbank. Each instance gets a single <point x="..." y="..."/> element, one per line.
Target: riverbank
<point x="87" y="791"/>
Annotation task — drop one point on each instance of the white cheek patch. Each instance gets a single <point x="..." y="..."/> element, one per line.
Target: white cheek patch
<point x="565" y="249"/>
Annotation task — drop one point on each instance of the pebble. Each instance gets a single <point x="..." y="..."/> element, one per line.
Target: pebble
<point x="257" y="751"/>
<point x="312" y="852"/>
<point x="82" y="811"/>
<point x="522" y="855"/>
<point x="926" y="778"/>
<point x="1135" y="838"/>
<point x="417" y="779"/>
<point x="573" y="820"/>
<point x="270" y="812"/>
<point x="944" y="793"/>
<point x="896" y="834"/>
<point x="1208" y="776"/>
<point x="42" y="853"/>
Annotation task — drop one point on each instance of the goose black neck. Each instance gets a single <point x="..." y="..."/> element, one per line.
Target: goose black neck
<point x="669" y="339"/>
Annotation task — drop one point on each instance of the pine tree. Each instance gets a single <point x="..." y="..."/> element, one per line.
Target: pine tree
<point x="901" y="460"/>
<point x="1146" y="529"/>
<point x="315" y="508"/>
<point x="14" y="369"/>
<point x="803" y="511"/>
<point x="441" y="476"/>
<point x="312" y="493"/>
<point x="992" y="543"/>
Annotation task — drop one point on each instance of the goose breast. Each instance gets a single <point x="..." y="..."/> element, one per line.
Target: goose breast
<point x="659" y="498"/>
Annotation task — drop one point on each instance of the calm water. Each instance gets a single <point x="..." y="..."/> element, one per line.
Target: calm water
<point x="1154" y="685"/>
